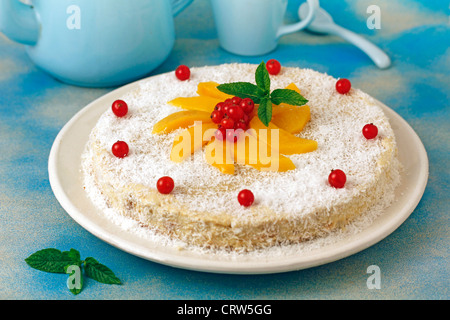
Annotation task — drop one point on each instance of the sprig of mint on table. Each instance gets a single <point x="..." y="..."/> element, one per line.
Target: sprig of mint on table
<point x="261" y="94"/>
<point x="56" y="261"/>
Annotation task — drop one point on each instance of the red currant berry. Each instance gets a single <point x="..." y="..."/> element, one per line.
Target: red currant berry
<point x="227" y="123"/>
<point x="228" y="101"/>
<point x="246" y="198"/>
<point x="241" y="125"/>
<point x="234" y="135"/>
<point x="247" y="105"/>
<point x="183" y="72"/>
<point x="273" y="67"/>
<point x="236" y="100"/>
<point x="165" y="185"/>
<point x="220" y="133"/>
<point x="337" y="178"/>
<point x="216" y="116"/>
<point x="119" y="108"/>
<point x="231" y="136"/>
<point x="226" y="106"/>
<point x="120" y="149"/>
<point x="219" y="106"/>
<point x="343" y="86"/>
<point x="246" y="119"/>
<point x="236" y="113"/>
<point x="370" y="131"/>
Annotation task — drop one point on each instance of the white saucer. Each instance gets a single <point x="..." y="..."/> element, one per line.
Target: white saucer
<point x="67" y="184"/>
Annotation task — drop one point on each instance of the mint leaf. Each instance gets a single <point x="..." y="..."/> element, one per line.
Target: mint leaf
<point x="265" y="111"/>
<point x="242" y="90"/>
<point x="262" y="78"/>
<point x="287" y="96"/>
<point x="74" y="254"/>
<point x="52" y="260"/>
<point x="75" y="280"/>
<point x="99" y="272"/>
<point x="76" y="290"/>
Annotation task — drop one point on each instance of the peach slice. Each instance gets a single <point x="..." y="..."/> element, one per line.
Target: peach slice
<point x="209" y="89"/>
<point x="198" y="103"/>
<point x="217" y="154"/>
<point x="191" y="140"/>
<point x="287" y="142"/>
<point x="249" y="151"/>
<point x="181" y="119"/>
<point x="277" y="109"/>
<point x="294" y="87"/>
<point x="291" y="118"/>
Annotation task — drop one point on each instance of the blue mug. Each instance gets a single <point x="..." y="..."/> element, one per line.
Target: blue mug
<point x="93" y="43"/>
<point x="253" y="27"/>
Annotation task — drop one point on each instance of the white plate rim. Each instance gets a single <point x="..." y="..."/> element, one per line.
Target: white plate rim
<point x="116" y="237"/>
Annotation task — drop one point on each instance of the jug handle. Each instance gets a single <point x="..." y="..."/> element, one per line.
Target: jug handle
<point x="179" y="5"/>
<point x="18" y="22"/>
<point x="290" y="28"/>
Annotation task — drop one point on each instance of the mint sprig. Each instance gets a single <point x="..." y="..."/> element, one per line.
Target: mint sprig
<point x="99" y="272"/>
<point x="265" y="111"/>
<point x="56" y="261"/>
<point x="261" y="94"/>
<point x="262" y="78"/>
<point x="243" y="90"/>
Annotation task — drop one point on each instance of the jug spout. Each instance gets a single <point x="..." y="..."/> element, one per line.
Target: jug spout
<point x="18" y="22"/>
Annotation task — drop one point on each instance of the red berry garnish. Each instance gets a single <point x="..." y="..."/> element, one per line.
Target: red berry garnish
<point x="337" y="178"/>
<point x="183" y="72"/>
<point x="236" y="100"/>
<point x="219" y="107"/>
<point x="228" y="102"/>
<point x="165" y="185"/>
<point x="245" y="119"/>
<point x="119" y="108"/>
<point x="225" y="108"/>
<point x="343" y="86"/>
<point x="247" y="105"/>
<point x="120" y="149"/>
<point x="227" y="123"/>
<point x="220" y="133"/>
<point x="216" y="116"/>
<point x="241" y="125"/>
<point x="246" y="198"/>
<point x="236" y="113"/>
<point x="273" y="67"/>
<point x="233" y="135"/>
<point x="370" y="131"/>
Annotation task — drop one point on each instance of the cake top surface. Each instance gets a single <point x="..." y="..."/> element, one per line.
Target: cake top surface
<point x="336" y="123"/>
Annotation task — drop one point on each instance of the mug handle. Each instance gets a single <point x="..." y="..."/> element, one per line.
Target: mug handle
<point x="179" y="5"/>
<point x="290" y="28"/>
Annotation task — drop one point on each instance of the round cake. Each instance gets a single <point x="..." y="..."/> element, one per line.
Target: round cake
<point x="290" y="206"/>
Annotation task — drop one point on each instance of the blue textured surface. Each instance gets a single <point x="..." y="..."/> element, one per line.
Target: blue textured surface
<point x="414" y="260"/>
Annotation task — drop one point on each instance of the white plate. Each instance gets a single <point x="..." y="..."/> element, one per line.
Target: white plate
<point x="66" y="182"/>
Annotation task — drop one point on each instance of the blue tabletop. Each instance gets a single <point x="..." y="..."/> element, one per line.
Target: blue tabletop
<point x="413" y="260"/>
